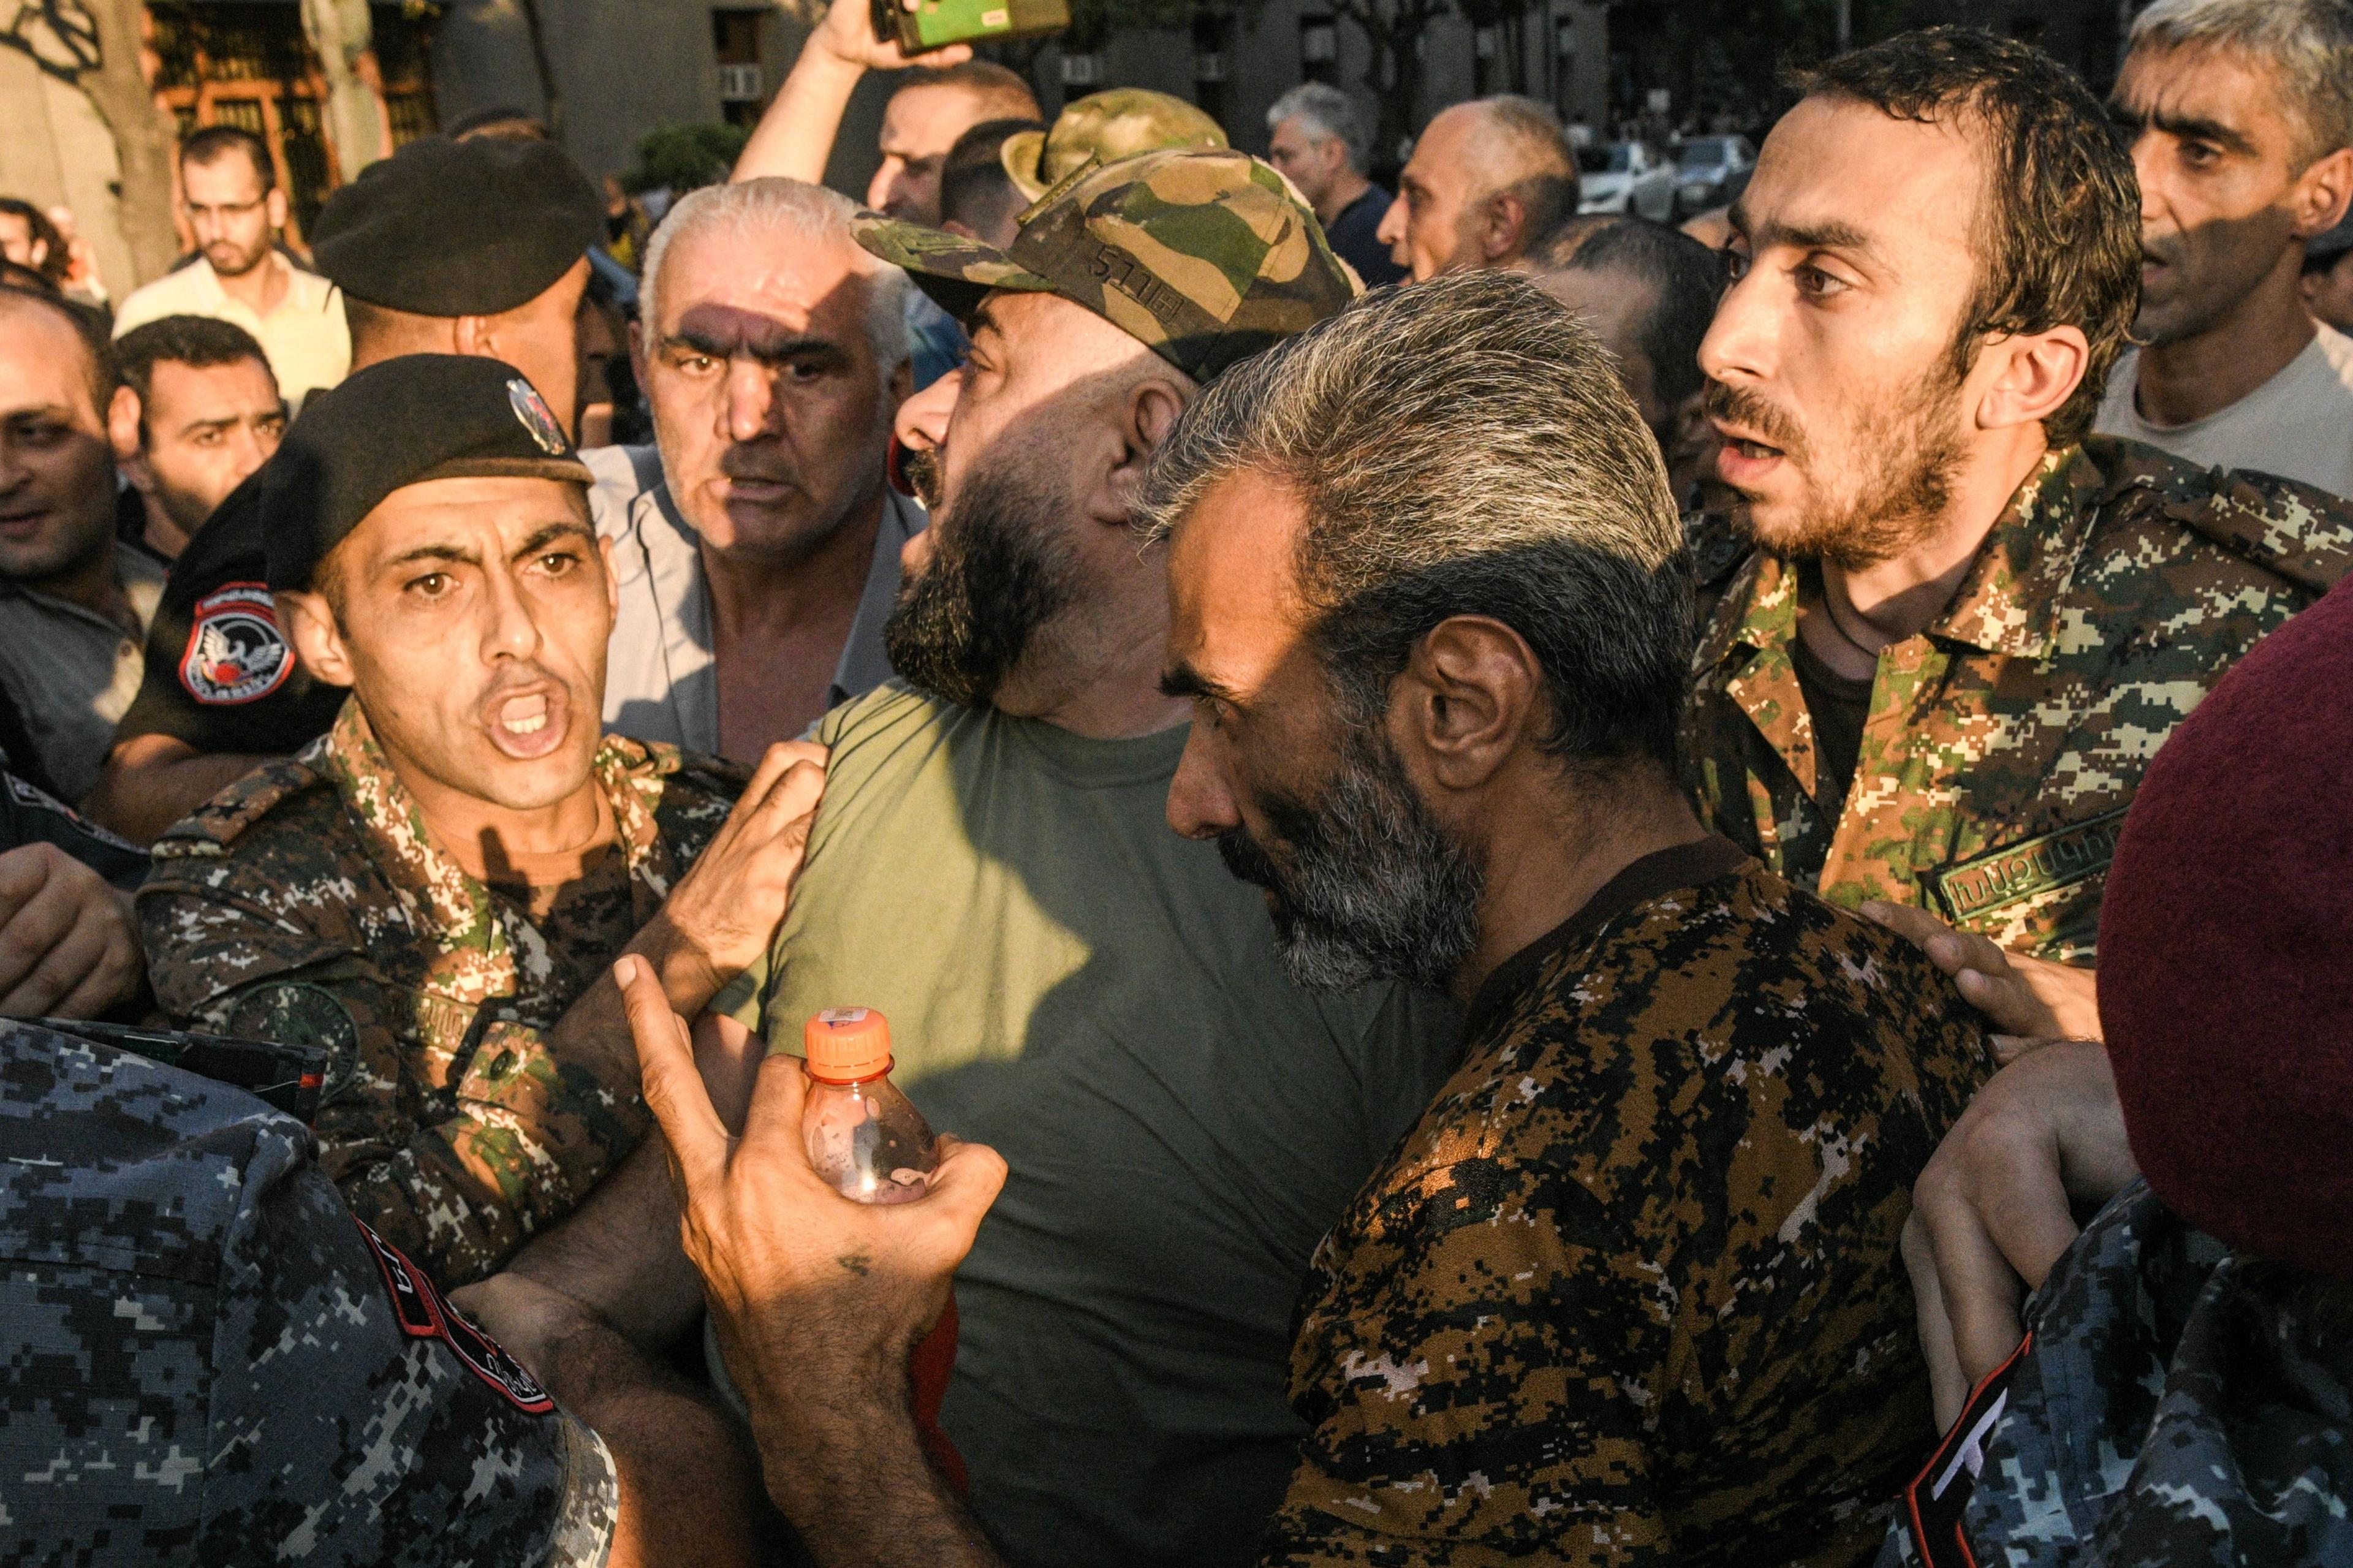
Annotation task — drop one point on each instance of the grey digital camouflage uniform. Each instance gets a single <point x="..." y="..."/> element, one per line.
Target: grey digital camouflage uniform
<point x="203" y="1359"/>
<point x="2006" y="740"/>
<point x="1629" y="1293"/>
<point x="308" y="903"/>
<point x="2177" y="1407"/>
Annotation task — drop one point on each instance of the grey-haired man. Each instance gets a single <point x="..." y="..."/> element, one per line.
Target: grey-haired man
<point x="1318" y="138"/>
<point x="2240" y="114"/>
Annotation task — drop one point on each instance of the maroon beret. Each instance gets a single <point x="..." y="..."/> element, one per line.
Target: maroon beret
<point x="2226" y="953"/>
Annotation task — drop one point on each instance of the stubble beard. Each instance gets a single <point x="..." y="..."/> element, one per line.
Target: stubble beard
<point x="1892" y="507"/>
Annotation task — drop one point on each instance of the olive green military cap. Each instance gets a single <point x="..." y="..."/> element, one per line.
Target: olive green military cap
<point x="1204" y="256"/>
<point x="1103" y="128"/>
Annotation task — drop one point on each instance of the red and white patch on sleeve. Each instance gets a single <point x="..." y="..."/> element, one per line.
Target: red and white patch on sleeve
<point x="425" y="1315"/>
<point x="1936" y="1502"/>
<point x="235" y="651"/>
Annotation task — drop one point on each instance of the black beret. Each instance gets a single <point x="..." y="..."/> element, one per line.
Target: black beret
<point x="457" y="228"/>
<point x="400" y="422"/>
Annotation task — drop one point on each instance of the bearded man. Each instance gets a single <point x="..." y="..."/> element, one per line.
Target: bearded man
<point x="1952" y="628"/>
<point x="1064" y="978"/>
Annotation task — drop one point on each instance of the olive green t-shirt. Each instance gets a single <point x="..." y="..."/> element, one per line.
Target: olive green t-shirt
<point x="1068" y="980"/>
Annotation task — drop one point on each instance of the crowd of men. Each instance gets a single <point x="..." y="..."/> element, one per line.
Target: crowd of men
<point x="1558" y="891"/>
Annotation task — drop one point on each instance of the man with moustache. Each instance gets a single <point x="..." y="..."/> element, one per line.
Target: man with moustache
<point x="1951" y="628"/>
<point x="759" y="556"/>
<point x="1064" y="978"/>
<point x="2241" y="116"/>
<point x="434" y="891"/>
<point x="195" y="411"/>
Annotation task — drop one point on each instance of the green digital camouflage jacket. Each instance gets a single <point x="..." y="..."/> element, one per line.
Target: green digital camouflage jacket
<point x="2004" y="742"/>
<point x="1629" y="1293"/>
<point x="307" y="902"/>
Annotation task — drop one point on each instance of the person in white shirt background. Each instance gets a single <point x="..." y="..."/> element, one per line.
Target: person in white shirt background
<point x="231" y="200"/>
<point x="2242" y="118"/>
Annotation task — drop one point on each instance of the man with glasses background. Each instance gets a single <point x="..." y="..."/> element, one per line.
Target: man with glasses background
<point x="229" y="196"/>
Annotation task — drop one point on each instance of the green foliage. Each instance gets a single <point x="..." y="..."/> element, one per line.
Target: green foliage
<point x="684" y="157"/>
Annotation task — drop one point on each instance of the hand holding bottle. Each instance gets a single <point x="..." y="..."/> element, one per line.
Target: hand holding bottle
<point x="807" y="1293"/>
<point x="863" y="1136"/>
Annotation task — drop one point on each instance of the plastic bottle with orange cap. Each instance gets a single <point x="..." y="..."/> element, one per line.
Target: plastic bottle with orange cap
<point x="863" y="1136"/>
<point x="868" y="1141"/>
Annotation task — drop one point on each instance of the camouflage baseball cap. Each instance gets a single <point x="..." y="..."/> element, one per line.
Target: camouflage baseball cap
<point x="1103" y="128"/>
<point x="1204" y="256"/>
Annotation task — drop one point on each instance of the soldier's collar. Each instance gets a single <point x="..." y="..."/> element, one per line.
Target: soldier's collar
<point x="463" y="914"/>
<point x="2009" y="602"/>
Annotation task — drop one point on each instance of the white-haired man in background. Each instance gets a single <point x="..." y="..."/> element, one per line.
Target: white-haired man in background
<point x="1318" y="137"/>
<point x="758" y="559"/>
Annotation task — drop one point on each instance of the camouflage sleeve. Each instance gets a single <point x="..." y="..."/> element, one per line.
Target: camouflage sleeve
<point x="210" y="1362"/>
<point x="458" y="1140"/>
<point x="1491" y="1396"/>
<point x="360" y="1386"/>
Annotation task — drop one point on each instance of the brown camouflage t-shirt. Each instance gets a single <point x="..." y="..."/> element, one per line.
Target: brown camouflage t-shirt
<point x="1629" y="1292"/>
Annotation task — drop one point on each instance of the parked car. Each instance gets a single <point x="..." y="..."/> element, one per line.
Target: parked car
<point x="1627" y="177"/>
<point x="1713" y="172"/>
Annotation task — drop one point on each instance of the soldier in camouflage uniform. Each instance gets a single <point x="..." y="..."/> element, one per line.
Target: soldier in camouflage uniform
<point x="2185" y="1393"/>
<point x="1628" y="1291"/>
<point x="480" y="1083"/>
<point x="310" y="903"/>
<point x="2005" y="741"/>
<point x="2018" y="659"/>
<point x="204" y="1360"/>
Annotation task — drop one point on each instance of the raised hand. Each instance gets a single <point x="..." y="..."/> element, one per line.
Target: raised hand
<point x="725" y="909"/>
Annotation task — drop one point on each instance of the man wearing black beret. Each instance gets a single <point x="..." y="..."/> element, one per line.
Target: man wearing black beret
<point x="435" y="891"/>
<point x="473" y="248"/>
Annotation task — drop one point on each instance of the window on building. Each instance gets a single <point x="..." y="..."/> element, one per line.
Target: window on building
<point x="1210" y="31"/>
<point x="743" y="74"/>
<point x="1319" y="48"/>
<point x="250" y="66"/>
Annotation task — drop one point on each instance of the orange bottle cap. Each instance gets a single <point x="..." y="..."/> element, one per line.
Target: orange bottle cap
<point x="846" y="1044"/>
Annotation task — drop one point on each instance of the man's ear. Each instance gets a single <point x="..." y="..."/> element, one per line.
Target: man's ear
<point x="1465" y="699"/>
<point x="2036" y="373"/>
<point x="2321" y="194"/>
<point x="1501" y="225"/>
<point x="1153" y="407"/>
<point x="612" y="579"/>
<point x="309" y="623"/>
<point x="637" y="352"/>
<point x="476" y="336"/>
<point x="122" y="432"/>
<point x="274" y="203"/>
